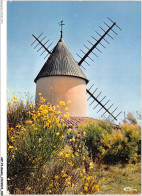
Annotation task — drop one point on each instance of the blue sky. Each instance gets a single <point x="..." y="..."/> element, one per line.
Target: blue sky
<point x="116" y="72"/>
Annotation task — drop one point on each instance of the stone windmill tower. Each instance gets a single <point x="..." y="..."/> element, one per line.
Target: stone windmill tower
<point x="61" y="78"/>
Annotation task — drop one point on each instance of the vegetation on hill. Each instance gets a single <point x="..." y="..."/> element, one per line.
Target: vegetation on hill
<point x="45" y="156"/>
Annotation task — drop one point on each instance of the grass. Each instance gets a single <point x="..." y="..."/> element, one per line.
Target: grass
<point x="117" y="177"/>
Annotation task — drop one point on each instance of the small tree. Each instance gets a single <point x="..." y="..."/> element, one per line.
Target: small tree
<point x="131" y="118"/>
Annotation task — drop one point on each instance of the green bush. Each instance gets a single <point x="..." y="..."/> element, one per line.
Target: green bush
<point x="133" y="133"/>
<point x="112" y="146"/>
<point x="122" y="145"/>
<point x="92" y="133"/>
<point x="106" y="126"/>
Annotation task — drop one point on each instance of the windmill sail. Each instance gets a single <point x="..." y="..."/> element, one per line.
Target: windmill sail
<point x="83" y="59"/>
<point x="100" y="102"/>
<point x="39" y="43"/>
<point x="94" y="46"/>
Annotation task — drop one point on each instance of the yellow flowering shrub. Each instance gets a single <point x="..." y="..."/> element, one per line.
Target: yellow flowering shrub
<point x="44" y="155"/>
<point x="122" y="145"/>
<point x="63" y="176"/>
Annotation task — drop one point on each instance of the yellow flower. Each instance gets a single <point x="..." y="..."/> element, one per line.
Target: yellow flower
<point x="18" y="126"/>
<point x="40" y="140"/>
<point x="57" y="133"/>
<point x="65" y="116"/>
<point x="70" y="164"/>
<point x="86" y="188"/>
<point x="84" y="133"/>
<point x="60" y="154"/>
<point x="56" y="177"/>
<point x="97" y="187"/>
<point x="25" y="91"/>
<point x="29" y="122"/>
<point x="68" y="183"/>
<point x="84" y="171"/>
<point x="15" y="101"/>
<point x="23" y="129"/>
<point x="88" y="178"/>
<point x="7" y="90"/>
<point x="67" y="113"/>
<point x="43" y="176"/>
<point x="10" y="147"/>
<point x="83" y="157"/>
<point x="51" y="184"/>
<point x="68" y="102"/>
<point x="69" y="130"/>
<point x="47" y="124"/>
<point x="64" y="175"/>
<point x="8" y="179"/>
<point x="86" y="184"/>
<point x="38" y="114"/>
<point x="73" y="139"/>
<point x="91" y="165"/>
<point x="66" y="155"/>
<point x="76" y="153"/>
<point x="66" y="108"/>
<point x="62" y="103"/>
<point x="39" y="94"/>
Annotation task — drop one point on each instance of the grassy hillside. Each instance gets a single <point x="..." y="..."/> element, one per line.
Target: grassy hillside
<point x="121" y="179"/>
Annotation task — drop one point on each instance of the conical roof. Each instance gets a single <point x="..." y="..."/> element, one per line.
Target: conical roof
<point x="61" y="63"/>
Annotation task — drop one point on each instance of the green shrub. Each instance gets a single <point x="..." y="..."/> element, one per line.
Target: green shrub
<point x="111" y="146"/>
<point x="133" y="133"/>
<point x="92" y="133"/>
<point x="122" y="145"/>
<point x="105" y="125"/>
<point x="131" y="119"/>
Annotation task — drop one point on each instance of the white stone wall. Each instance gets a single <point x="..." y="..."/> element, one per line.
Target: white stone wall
<point x="64" y="88"/>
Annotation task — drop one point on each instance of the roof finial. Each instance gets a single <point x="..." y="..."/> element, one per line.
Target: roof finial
<point x="61" y="24"/>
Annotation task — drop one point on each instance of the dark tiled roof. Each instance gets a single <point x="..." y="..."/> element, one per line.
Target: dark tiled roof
<point x="61" y="63"/>
<point x="74" y="121"/>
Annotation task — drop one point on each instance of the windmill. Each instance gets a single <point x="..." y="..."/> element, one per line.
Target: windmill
<point x="61" y="63"/>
